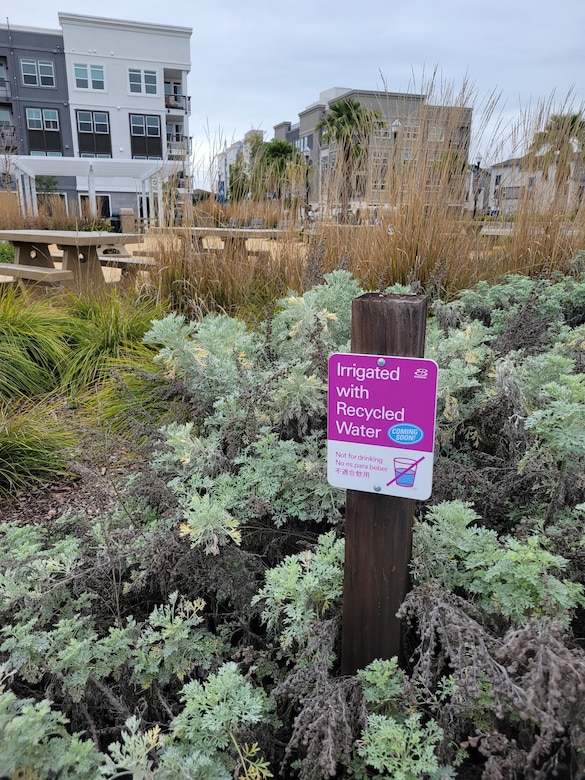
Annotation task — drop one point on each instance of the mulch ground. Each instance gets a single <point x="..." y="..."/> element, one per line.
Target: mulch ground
<point x="98" y="472"/>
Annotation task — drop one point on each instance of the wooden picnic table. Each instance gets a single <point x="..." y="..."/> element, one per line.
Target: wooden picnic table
<point x="234" y="238"/>
<point x="84" y="253"/>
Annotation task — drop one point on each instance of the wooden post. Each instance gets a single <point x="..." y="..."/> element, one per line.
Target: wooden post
<point x="378" y="529"/>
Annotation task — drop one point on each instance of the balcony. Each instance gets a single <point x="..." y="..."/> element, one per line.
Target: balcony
<point x="178" y="145"/>
<point x="8" y="141"/>
<point x="180" y="104"/>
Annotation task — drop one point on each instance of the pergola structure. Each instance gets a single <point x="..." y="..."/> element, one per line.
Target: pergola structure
<point x="148" y="177"/>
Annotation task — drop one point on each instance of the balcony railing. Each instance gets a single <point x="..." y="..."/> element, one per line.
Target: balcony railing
<point x="8" y="141"/>
<point x="178" y="144"/>
<point x="181" y="103"/>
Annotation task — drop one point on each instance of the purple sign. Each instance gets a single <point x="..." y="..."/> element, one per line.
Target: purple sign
<point x="381" y="423"/>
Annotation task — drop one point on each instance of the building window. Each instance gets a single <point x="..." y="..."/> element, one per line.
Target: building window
<point x="437" y="134"/>
<point x="29" y="72"/>
<point x="93" y="133"/>
<point x="145" y="136"/>
<point x="89" y="76"/>
<point x="34" y="119"/>
<point x="137" y="125"/>
<point x="142" y="81"/>
<point x="150" y="82"/>
<point x="103" y="204"/>
<point x="93" y="122"/>
<point x="46" y="74"/>
<point x="43" y="131"/>
<point x="145" y="125"/>
<point x="50" y="119"/>
<point x="81" y="76"/>
<point x="101" y="122"/>
<point x="135" y="77"/>
<point x="97" y="77"/>
<point x="153" y="126"/>
<point x="42" y="119"/>
<point x="37" y="73"/>
<point x="30" y="77"/>
<point x="85" y="122"/>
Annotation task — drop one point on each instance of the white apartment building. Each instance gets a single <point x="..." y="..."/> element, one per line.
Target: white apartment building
<point x="128" y="96"/>
<point x="513" y="183"/>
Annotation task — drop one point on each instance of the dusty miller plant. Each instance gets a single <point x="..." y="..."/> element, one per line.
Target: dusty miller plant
<point x="396" y="742"/>
<point x="256" y="446"/>
<point x="503" y="576"/>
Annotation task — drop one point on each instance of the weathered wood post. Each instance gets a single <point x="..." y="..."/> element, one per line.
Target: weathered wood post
<point x="378" y="528"/>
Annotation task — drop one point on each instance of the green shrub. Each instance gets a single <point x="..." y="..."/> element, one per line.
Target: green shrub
<point x="304" y="588"/>
<point x="508" y="577"/>
<point x="6" y="252"/>
<point x="104" y="328"/>
<point x="36" y="443"/>
<point x="33" y="344"/>
<point x="35" y="742"/>
<point x="400" y="751"/>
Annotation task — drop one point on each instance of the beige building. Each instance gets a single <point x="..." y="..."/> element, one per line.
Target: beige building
<point x="411" y="132"/>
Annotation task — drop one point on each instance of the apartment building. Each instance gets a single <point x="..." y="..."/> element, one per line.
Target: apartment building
<point x="513" y="184"/>
<point x="109" y="98"/>
<point x="224" y="160"/>
<point x="411" y="131"/>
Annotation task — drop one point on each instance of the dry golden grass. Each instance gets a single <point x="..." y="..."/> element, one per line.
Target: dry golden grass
<point x="423" y="248"/>
<point x="424" y="198"/>
<point x="53" y="214"/>
<point x="196" y="279"/>
<point x="10" y="216"/>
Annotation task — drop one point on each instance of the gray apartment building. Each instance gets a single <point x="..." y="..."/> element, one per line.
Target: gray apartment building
<point x="34" y="97"/>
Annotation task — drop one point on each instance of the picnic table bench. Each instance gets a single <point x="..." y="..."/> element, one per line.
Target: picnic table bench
<point x="35" y="273"/>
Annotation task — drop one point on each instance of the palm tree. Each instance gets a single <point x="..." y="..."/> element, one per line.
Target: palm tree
<point x="558" y="144"/>
<point x="256" y="164"/>
<point x="348" y="125"/>
<point x="279" y="155"/>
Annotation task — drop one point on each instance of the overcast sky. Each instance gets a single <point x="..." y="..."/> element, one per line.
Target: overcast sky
<point x="256" y="63"/>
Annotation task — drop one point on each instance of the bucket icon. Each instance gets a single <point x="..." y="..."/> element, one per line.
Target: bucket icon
<point x="405" y="471"/>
